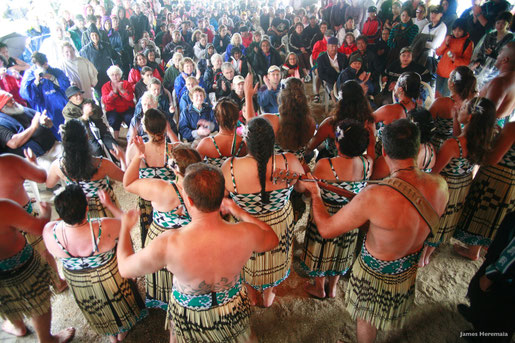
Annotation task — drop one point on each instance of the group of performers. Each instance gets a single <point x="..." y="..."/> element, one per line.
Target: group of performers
<point x="217" y="223"/>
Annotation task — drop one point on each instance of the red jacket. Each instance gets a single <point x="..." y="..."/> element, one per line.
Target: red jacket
<point x="210" y="35"/>
<point x="318" y="48"/>
<point x="118" y="102"/>
<point x="461" y="56"/>
<point x="372" y="29"/>
<point x="135" y="76"/>
<point x="246" y="40"/>
<point x="11" y="85"/>
<point x="347" y="50"/>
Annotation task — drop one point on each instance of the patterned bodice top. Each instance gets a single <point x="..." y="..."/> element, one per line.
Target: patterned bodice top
<point x="175" y="218"/>
<point x="218" y="161"/>
<point x="458" y="166"/>
<point x="90" y="188"/>
<point x="353" y="186"/>
<point x="251" y="202"/>
<point x="163" y="173"/>
<point x="508" y="159"/>
<point x="88" y="262"/>
<point x="443" y="127"/>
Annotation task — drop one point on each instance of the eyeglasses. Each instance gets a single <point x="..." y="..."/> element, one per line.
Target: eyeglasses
<point x="418" y="11"/>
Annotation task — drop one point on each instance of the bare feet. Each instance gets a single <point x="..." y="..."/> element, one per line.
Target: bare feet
<point x="268" y="296"/>
<point x="16" y="329"/>
<point x="121" y="336"/>
<point x="314" y="290"/>
<point x="64" y="336"/>
<point x="333" y="282"/>
<point x="61" y="287"/>
<point x="466" y="252"/>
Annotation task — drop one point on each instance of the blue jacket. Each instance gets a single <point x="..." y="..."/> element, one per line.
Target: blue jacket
<point x="47" y="95"/>
<point x="267" y="100"/>
<point x="15" y="127"/>
<point x="228" y="51"/>
<point x="189" y="118"/>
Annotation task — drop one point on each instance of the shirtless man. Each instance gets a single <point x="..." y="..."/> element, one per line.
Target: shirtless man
<point x="501" y="90"/>
<point x="15" y="170"/>
<point x="382" y="281"/>
<point x="206" y="258"/>
<point x="25" y="279"/>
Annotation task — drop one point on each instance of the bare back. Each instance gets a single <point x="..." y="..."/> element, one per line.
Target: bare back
<point x="396" y="227"/>
<point x="501" y="90"/>
<point x="15" y="170"/>
<point x="208" y="259"/>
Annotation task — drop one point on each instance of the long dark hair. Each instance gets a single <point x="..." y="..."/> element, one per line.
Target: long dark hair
<point x="480" y="129"/>
<point x="352" y="105"/>
<point x="260" y="144"/>
<point x="294" y="123"/>
<point x="463" y="82"/>
<point x="77" y="159"/>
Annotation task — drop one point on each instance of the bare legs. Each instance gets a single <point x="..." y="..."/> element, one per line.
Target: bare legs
<point x="42" y="327"/>
<point x="471" y="252"/>
<point x="268" y="296"/>
<point x="318" y="289"/>
<point x="426" y="253"/>
<point x="365" y="332"/>
<point x="61" y="284"/>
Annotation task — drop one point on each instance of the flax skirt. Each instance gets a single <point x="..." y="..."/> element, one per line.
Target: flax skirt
<point x="382" y="299"/>
<point x="159" y="284"/>
<point x="327" y="257"/>
<point x="458" y="189"/>
<point x="25" y="291"/>
<point x="491" y="197"/>
<point x="110" y="303"/>
<point x="97" y="210"/>
<point x="269" y="269"/>
<point x="229" y="322"/>
<point x="145" y="218"/>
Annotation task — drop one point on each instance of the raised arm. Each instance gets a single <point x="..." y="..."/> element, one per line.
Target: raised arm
<point x="147" y="260"/>
<point x="21" y="220"/>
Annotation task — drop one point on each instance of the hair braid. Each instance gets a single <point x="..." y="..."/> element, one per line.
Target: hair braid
<point x="260" y="143"/>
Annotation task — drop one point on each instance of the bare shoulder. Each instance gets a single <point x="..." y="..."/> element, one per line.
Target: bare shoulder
<point x="294" y="163"/>
<point x="204" y="146"/>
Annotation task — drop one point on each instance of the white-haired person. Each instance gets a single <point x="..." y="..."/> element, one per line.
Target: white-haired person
<point x="118" y="98"/>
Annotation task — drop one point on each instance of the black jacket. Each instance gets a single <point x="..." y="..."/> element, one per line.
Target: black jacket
<point x="326" y="72"/>
<point x="260" y="62"/>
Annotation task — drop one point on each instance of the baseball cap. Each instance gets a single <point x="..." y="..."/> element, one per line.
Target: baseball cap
<point x="237" y="79"/>
<point x="372" y="9"/>
<point x="274" y="68"/>
<point x="406" y="49"/>
<point x="332" y="40"/>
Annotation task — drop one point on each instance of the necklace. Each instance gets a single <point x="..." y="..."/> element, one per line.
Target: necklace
<point x="402" y="169"/>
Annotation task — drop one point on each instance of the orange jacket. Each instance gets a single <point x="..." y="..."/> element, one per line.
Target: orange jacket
<point x="461" y="56"/>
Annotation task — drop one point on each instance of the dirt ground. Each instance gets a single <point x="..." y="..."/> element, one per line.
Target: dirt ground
<point x="295" y="316"/>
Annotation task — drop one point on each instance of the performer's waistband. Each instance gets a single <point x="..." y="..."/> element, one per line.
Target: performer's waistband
<point x="389" y="267"/>
<point x="208" y="300"/>
<point x="18" y="260"/>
